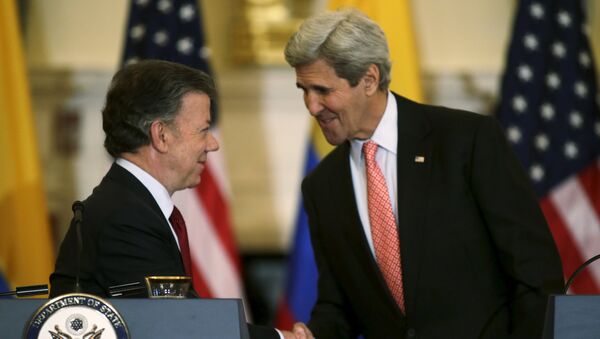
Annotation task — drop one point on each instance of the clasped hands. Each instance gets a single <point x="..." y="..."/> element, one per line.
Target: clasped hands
<point x="299" y="331"/>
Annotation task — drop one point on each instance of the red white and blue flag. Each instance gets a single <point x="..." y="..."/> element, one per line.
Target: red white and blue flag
<point x="549" y="108"/>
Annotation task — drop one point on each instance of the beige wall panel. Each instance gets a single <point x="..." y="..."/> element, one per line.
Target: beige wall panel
<point x="78" y="34"/>
<point x="462" y="35"/>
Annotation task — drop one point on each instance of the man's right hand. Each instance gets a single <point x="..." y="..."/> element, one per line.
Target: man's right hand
<point x="299" y="331"/>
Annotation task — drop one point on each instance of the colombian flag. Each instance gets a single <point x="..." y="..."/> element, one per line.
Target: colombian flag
<point x="26" y="251"/>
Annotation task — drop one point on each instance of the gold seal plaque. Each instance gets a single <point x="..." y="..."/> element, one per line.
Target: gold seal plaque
<point x="77" y="316"/>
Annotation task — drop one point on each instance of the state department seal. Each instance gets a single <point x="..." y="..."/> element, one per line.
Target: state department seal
<point x="77" y="316"/>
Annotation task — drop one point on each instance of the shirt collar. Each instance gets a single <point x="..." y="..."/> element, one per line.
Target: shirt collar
<point x="158" y="191"/>
<point x="386" y="132"/>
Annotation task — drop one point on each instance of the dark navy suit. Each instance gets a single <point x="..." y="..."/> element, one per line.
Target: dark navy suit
<point x="477" y="255"/>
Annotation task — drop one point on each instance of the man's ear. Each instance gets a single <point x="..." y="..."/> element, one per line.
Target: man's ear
<point x="159" y="135"/>
<point x="371" y="79"/>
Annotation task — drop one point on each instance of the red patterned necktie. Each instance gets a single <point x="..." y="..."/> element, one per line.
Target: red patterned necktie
<point x="383" y="226"/>
<point x="178" y="224"/>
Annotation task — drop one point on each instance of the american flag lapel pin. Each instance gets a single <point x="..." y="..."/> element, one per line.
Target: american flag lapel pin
<point x="419" y="159"/>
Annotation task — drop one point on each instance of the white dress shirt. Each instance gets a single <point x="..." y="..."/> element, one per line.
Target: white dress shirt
<point x="386" y="136"/>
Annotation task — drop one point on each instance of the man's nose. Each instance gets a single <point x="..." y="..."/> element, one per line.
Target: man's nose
<point x="213" y="144"/>
<point x="313" y="103"/>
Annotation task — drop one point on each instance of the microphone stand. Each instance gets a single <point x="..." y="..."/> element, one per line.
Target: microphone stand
<point x="77" y="217"/>
<point x="578" y="270"/>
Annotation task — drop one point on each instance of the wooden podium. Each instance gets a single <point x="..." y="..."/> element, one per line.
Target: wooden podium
<point x="572" y="317"/>
<point x="148" y="318"/>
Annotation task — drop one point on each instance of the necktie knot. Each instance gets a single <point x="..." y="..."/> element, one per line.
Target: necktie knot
<point x="370" y="150"/>
<point x="176" y="220"/>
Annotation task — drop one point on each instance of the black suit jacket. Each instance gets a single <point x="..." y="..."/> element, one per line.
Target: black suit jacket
<point x="125" y="238"/>
<point x="478" y="259"/>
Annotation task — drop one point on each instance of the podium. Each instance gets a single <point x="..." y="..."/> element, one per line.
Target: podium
<point x="572" y="316"/>
<point x="149" y="318"/>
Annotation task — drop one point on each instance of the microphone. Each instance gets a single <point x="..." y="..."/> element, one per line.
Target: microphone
<point x="77" y="218"/>
<point x="578" y="270"/>
<point x="27" y="291"/>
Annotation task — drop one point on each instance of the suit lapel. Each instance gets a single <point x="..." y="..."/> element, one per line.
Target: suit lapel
<point x="414" y="155"/>
<point x="130" y="182"/>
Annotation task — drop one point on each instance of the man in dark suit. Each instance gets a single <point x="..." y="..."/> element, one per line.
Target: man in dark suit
<point x="157" y="124"/>
<point x="422" y="221"/>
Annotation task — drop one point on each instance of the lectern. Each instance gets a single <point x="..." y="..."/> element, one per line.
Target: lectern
<point x="148" y="318"/>
<point x="572" y="317"/>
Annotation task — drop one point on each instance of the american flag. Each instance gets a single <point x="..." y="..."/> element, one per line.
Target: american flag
<point x="549" y="108"/>
<point x="172" y="30"/>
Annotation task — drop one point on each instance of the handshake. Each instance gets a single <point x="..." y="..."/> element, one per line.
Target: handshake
<point x="299" y="331"/>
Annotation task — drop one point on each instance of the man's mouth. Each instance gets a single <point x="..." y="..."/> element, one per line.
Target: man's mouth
<point x="325" y="121"/>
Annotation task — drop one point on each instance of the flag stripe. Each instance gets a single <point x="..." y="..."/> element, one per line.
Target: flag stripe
<point x="218" y="168"/>
<point x="200" y="285"/>
<point x="217" y="212"/>
<point x="574" y="208"/>
<point x="569" y="253"/>
<point x="212" y="253"/>
<point x="284" y="317"/>
<point x="590" y="181"/>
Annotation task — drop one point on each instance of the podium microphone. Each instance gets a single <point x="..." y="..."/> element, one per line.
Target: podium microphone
<point x="27" y="291"/>
<point x="77" y="217"/>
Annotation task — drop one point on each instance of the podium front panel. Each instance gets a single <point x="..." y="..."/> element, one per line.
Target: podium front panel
<point x="573" y="317"/>
<point x="149" y="318"/>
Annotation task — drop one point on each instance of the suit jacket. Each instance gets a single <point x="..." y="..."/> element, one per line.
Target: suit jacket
<point x="125" y="238"/>
<point x="477" y="257"/>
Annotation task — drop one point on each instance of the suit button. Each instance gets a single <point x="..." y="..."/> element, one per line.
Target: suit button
<point x="411" y="333"/>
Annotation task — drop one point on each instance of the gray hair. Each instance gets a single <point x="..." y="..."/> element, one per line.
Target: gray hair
<point x="347" y="40"/>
